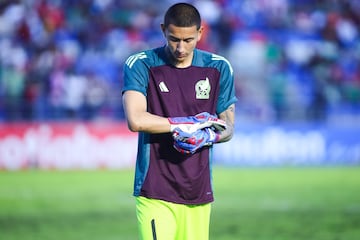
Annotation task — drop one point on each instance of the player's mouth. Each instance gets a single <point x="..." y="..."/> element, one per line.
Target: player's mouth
<point x="180" y="55"/>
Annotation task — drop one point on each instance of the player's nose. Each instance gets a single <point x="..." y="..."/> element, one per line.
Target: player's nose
<point x="180" y="47"/>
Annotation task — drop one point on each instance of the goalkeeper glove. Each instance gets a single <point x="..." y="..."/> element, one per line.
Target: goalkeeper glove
<point x="189" y="143"/>
<point x="191" y="124"/>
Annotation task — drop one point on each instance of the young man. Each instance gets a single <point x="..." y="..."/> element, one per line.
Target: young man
<point x="164" y="91"/>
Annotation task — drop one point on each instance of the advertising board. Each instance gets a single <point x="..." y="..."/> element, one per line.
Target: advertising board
<point x="112" y="146"/>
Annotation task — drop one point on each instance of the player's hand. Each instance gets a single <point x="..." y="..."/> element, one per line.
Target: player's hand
<point x="189" y="143"/>
<point x="191" y="124"/>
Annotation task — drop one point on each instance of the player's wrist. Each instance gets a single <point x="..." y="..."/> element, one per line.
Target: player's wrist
<point x="172" y="127"/>
<point x="187" y="124"/>
<point x="186" y="127"/>
<point x="191" y="124"/>
<point x="213" y="136"/>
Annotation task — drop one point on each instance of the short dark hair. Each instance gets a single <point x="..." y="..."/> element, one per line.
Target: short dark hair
<point x="182" y="15"/>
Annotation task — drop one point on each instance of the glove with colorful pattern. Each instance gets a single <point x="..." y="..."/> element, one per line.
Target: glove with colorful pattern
<point x="189" y="143"/>
<point x="191" y="124"/>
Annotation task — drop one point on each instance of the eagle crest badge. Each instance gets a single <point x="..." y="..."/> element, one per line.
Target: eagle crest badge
<point x="202" y="89"/>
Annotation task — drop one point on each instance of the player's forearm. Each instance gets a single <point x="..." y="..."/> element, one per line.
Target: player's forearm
<point x="146" y="122"/>
<point x="138" y="119"/>
<point x="226" y="135"/>
<point x="229" y="117"/>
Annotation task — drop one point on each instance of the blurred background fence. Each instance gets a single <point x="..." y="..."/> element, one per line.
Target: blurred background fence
<point x="296" y="65"/>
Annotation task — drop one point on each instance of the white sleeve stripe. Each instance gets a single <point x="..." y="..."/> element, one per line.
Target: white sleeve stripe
<point x="217" y="57"/>
<point x="132" y="59"/>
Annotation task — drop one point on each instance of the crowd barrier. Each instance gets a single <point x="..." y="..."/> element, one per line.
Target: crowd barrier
<point x="112" y="146"/>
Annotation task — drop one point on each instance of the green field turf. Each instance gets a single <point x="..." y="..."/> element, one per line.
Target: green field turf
<point x="251" y="204"/>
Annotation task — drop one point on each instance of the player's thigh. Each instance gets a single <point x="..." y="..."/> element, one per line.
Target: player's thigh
<point x="156" y="219"/>
<point x="196" y="221"/>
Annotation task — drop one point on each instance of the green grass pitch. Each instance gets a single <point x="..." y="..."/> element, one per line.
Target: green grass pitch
<point x="251" y="204"/>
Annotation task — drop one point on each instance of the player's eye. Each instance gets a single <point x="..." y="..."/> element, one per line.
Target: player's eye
<point x="173" y="39"/>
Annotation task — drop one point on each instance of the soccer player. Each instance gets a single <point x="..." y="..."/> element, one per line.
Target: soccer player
<point x="181" y="100"/>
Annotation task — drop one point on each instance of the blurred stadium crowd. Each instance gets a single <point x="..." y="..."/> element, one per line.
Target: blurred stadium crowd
<point x="294" y="60"/>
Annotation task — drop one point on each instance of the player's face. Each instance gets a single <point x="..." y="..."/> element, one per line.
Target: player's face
<point x="181" y="42"/>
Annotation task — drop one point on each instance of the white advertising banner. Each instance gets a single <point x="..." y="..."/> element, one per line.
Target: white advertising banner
<point x="293" y="146"/>
<point x="66" y="146"/>
<point x="112" y="146"/>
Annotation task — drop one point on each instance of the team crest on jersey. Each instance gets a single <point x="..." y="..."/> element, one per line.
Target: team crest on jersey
<point x="202" y="89"/>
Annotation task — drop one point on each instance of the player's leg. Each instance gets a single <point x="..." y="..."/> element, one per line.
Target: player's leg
<point x="156" y="219"/>
<point x="195" y="222"/>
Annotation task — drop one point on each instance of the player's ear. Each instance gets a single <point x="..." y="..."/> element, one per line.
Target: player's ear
<point x="200" y="32"/>
<point x="162" y="26"/>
